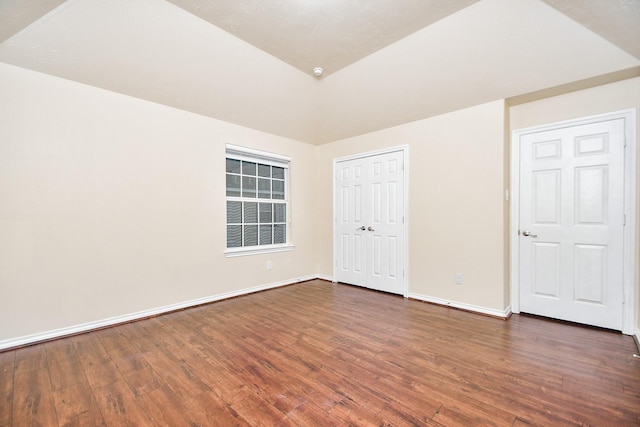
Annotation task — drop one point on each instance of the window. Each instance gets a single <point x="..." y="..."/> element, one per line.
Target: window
<point x="257" y="201"/>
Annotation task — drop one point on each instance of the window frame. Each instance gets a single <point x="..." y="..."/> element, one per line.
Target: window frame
<point x="259" y="157"/>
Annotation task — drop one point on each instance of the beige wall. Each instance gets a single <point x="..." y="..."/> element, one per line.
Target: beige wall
<point x="110" y="205"/>
<point x="607" y="98"/>
<point x="456" y="202"/>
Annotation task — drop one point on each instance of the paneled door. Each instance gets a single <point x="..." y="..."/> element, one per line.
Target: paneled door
<point x="369" y="223"/>
<point x="571" y="223"/>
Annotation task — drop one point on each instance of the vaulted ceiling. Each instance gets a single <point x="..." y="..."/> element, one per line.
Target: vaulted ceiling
<point x="386" y="63"/>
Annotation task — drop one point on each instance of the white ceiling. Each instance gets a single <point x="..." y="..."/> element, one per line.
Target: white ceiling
<point x="327" y="33"/>
<point x="616" y="20"/>
<point x="249" y="62"/>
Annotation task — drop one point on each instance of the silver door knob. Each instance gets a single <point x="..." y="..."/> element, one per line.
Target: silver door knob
<point x="369" y="228"/>
<point x="361" y="228"/>
<point x="528" y="234"/>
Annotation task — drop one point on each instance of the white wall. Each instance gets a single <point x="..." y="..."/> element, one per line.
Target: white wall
<point x="607" y="98"/>
<point x="110" y="205"/>
<point x="493" y="49"/>
<point x="456" y="203"/>
<point x="458" y="216"/>
<point x="124" y="46"/>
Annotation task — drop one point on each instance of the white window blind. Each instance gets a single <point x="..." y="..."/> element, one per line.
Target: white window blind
<point x="257" y="201"/>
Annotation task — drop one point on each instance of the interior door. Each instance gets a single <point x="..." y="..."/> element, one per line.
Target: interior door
<point x="369" y="236"/>
<point x="571" y="223"/>
<point x="351" y="224"/>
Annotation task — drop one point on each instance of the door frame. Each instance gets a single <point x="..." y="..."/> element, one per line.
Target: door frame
<point x="629" y="237"/>
<point x="405" y="206"/>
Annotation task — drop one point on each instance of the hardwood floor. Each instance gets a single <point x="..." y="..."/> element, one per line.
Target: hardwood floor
<point x="320" y="354"/>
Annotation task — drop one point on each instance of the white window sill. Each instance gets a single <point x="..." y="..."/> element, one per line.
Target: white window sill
<point x="255" y="250"/>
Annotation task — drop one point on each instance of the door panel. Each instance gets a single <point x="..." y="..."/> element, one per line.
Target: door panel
<point x="591" y="195"/>
<point x="376" y="261"/>
<point x="546" y="270"/>
<point x="590" y="273"/>
<point x="546" y="197"/>
<point x="572" y="206"/>
<point x="351" y="265"/>
<point x="371" y="241"/>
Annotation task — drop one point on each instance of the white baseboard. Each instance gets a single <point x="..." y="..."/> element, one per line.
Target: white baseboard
<point x="85" y="327"/>
<point x="325" y="277"/>
<point x="637" y="339"/>
<point x="503" y="314"/>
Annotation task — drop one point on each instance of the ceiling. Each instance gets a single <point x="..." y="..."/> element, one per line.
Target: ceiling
<point x="327" y="33"/>
<point x="386" y="63"/>
<point x="335" y="33"/>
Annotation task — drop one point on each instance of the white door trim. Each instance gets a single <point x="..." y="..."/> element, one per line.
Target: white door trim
<point x="629" y="116"/>
<point x="405" y="173"/>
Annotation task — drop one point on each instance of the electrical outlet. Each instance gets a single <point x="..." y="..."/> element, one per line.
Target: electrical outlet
<point x="458" y="278"/>
<point x="269" y="265"/>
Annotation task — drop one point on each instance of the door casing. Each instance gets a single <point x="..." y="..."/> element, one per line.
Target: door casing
<point x="405" y="173"/>
<point x="629" y="246"/>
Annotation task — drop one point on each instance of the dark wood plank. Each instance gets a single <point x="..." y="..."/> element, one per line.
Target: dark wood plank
<point x="63" y="363"/>
<point x="76" y="406"/>
<point x="207" y="409"/>
<point x="143" y="381"/>
<point x="309" y="414"/>
<point x="119" y="407"/>
<point x="256" y="411"/>
<point x="164" y="408"/>
<point x="30" y="358"/>
<point x="7" y="367"/>
<point x="33" y="398"/>
<point x="122" y="352"/>
<point x="326" y="354"/>
<point x="95" y="361"/>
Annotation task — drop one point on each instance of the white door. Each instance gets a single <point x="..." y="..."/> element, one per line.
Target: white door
<point x="369" y="227"/>
<point x="571" y="223"/>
